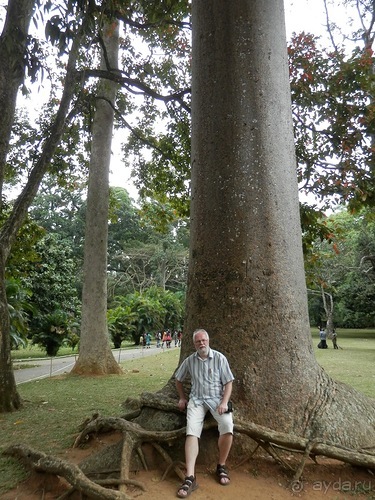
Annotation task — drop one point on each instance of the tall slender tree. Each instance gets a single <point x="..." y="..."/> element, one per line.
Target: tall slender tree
<point x="95" y="355"/>
<point x="12" y="64"/>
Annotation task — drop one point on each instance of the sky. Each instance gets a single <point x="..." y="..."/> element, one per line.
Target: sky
<point x="300" y="15"/>
<point x="304" y="15"/>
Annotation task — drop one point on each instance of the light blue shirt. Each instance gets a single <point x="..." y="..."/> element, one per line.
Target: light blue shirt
<point x="208" y="377"/>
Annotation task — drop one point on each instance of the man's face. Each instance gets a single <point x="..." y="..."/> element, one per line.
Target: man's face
<point x="201" y="343"/>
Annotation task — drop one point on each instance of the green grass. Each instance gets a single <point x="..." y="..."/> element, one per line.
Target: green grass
<point x="354" y="364"/>
<point x="54" y="407"/>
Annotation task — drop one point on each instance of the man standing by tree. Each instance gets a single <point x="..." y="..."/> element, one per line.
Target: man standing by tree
<point x="211" y="388"/>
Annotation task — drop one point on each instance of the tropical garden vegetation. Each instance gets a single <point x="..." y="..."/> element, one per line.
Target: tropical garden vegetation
<point x="245" y="269"/>
<point x="148" y="245"/>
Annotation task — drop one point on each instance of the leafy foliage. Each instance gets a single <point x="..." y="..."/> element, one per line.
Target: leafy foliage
<point x="23" y="254"/>
<point x="334" y="121"/>
<point x="55" y="330"/>
<point x="53" y="282"/>
<point x="138" y="313"/>
<point x="19" y="307"/>
<point x="345" y="268"/>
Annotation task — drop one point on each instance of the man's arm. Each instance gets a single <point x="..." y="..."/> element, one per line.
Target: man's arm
<point x="223" y="406"/>
<point x="182" y="402"/>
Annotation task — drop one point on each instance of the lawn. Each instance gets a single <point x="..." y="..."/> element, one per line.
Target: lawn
<point x="354" y="363"/>
<point x="54" y="407"/>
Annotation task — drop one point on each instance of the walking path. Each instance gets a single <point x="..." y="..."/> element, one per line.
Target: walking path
<point x="42" y="367"/>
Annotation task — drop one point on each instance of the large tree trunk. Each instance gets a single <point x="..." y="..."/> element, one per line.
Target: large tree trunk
<point x="246" y="282"/>
<point x="95" y="355"/>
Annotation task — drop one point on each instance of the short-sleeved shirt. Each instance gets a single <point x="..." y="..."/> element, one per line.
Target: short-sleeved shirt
<point x="208" y="377"/>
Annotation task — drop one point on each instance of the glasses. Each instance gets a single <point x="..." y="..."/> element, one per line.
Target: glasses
<point x="200" y="341"/>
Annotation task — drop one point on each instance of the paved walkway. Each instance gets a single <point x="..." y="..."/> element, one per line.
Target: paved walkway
<point x="42" y="368"/>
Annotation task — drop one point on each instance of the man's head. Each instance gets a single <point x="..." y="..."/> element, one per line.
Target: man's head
<point x="201" y="342"/>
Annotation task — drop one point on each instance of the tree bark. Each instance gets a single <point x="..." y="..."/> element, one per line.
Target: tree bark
<point x="13" y="43"/>
<point x="246" y="282"/>
<point x="95" y="355"/>
<point x="328" y="308"/>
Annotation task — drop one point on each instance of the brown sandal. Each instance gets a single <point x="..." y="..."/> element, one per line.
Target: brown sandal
<point x="222" y="473"/>
<point x="188" y="486"/>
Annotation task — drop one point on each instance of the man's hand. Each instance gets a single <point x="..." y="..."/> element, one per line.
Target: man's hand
<point x="182" y="404"/>
<point x="222" y="408"/>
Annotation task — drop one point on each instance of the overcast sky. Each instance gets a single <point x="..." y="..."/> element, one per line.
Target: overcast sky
<point x="304" y="15"/>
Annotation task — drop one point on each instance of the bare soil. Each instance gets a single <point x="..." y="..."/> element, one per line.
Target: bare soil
<point x="258" y="479"/>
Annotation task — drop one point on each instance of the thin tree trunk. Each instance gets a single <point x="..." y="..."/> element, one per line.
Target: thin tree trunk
<point x="328" y="308"/>
<point x="12" y="75"/>
<point x="95" y="355"/>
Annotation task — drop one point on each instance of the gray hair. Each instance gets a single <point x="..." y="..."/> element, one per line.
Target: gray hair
<point x="200" y="330"/>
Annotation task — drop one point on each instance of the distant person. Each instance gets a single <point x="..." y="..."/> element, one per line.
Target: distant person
<point x="323" y="339"/>
<point x="148" y="340"/>
<point x="168" y="339"/>
<point x="334" y="339"/>
<point x="179" y="337"/>
<point x="158" y="339"/>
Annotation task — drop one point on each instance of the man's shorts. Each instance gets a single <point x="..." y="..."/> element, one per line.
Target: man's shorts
<point x="195" y="420"/>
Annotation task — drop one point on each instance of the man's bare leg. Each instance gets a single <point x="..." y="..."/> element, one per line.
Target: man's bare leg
<point x="191" y="453"/>
<point x="225" y="444"/>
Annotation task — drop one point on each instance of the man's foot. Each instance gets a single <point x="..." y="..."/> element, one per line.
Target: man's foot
<point x="187" y="487"/>
<point x="222" y="475"/>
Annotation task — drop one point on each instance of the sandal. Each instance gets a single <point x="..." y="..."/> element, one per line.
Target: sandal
<point x="222" y="473"/>
<point x="188" y="486"/>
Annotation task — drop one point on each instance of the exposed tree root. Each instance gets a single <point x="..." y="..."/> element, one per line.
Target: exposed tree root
<point x="72" y="473"/>
<point x="134" y="436"/>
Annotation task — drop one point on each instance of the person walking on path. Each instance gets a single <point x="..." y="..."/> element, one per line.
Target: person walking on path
<point x="211" y="388"/>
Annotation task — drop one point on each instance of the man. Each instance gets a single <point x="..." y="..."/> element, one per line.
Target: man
<point x="334" y="340"/>
<point x="211" y="388"/>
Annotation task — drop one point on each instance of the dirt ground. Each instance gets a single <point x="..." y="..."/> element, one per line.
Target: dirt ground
<point x="258" y="479"/>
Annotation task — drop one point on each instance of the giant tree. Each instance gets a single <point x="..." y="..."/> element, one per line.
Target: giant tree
<point x="246" y="282"/>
